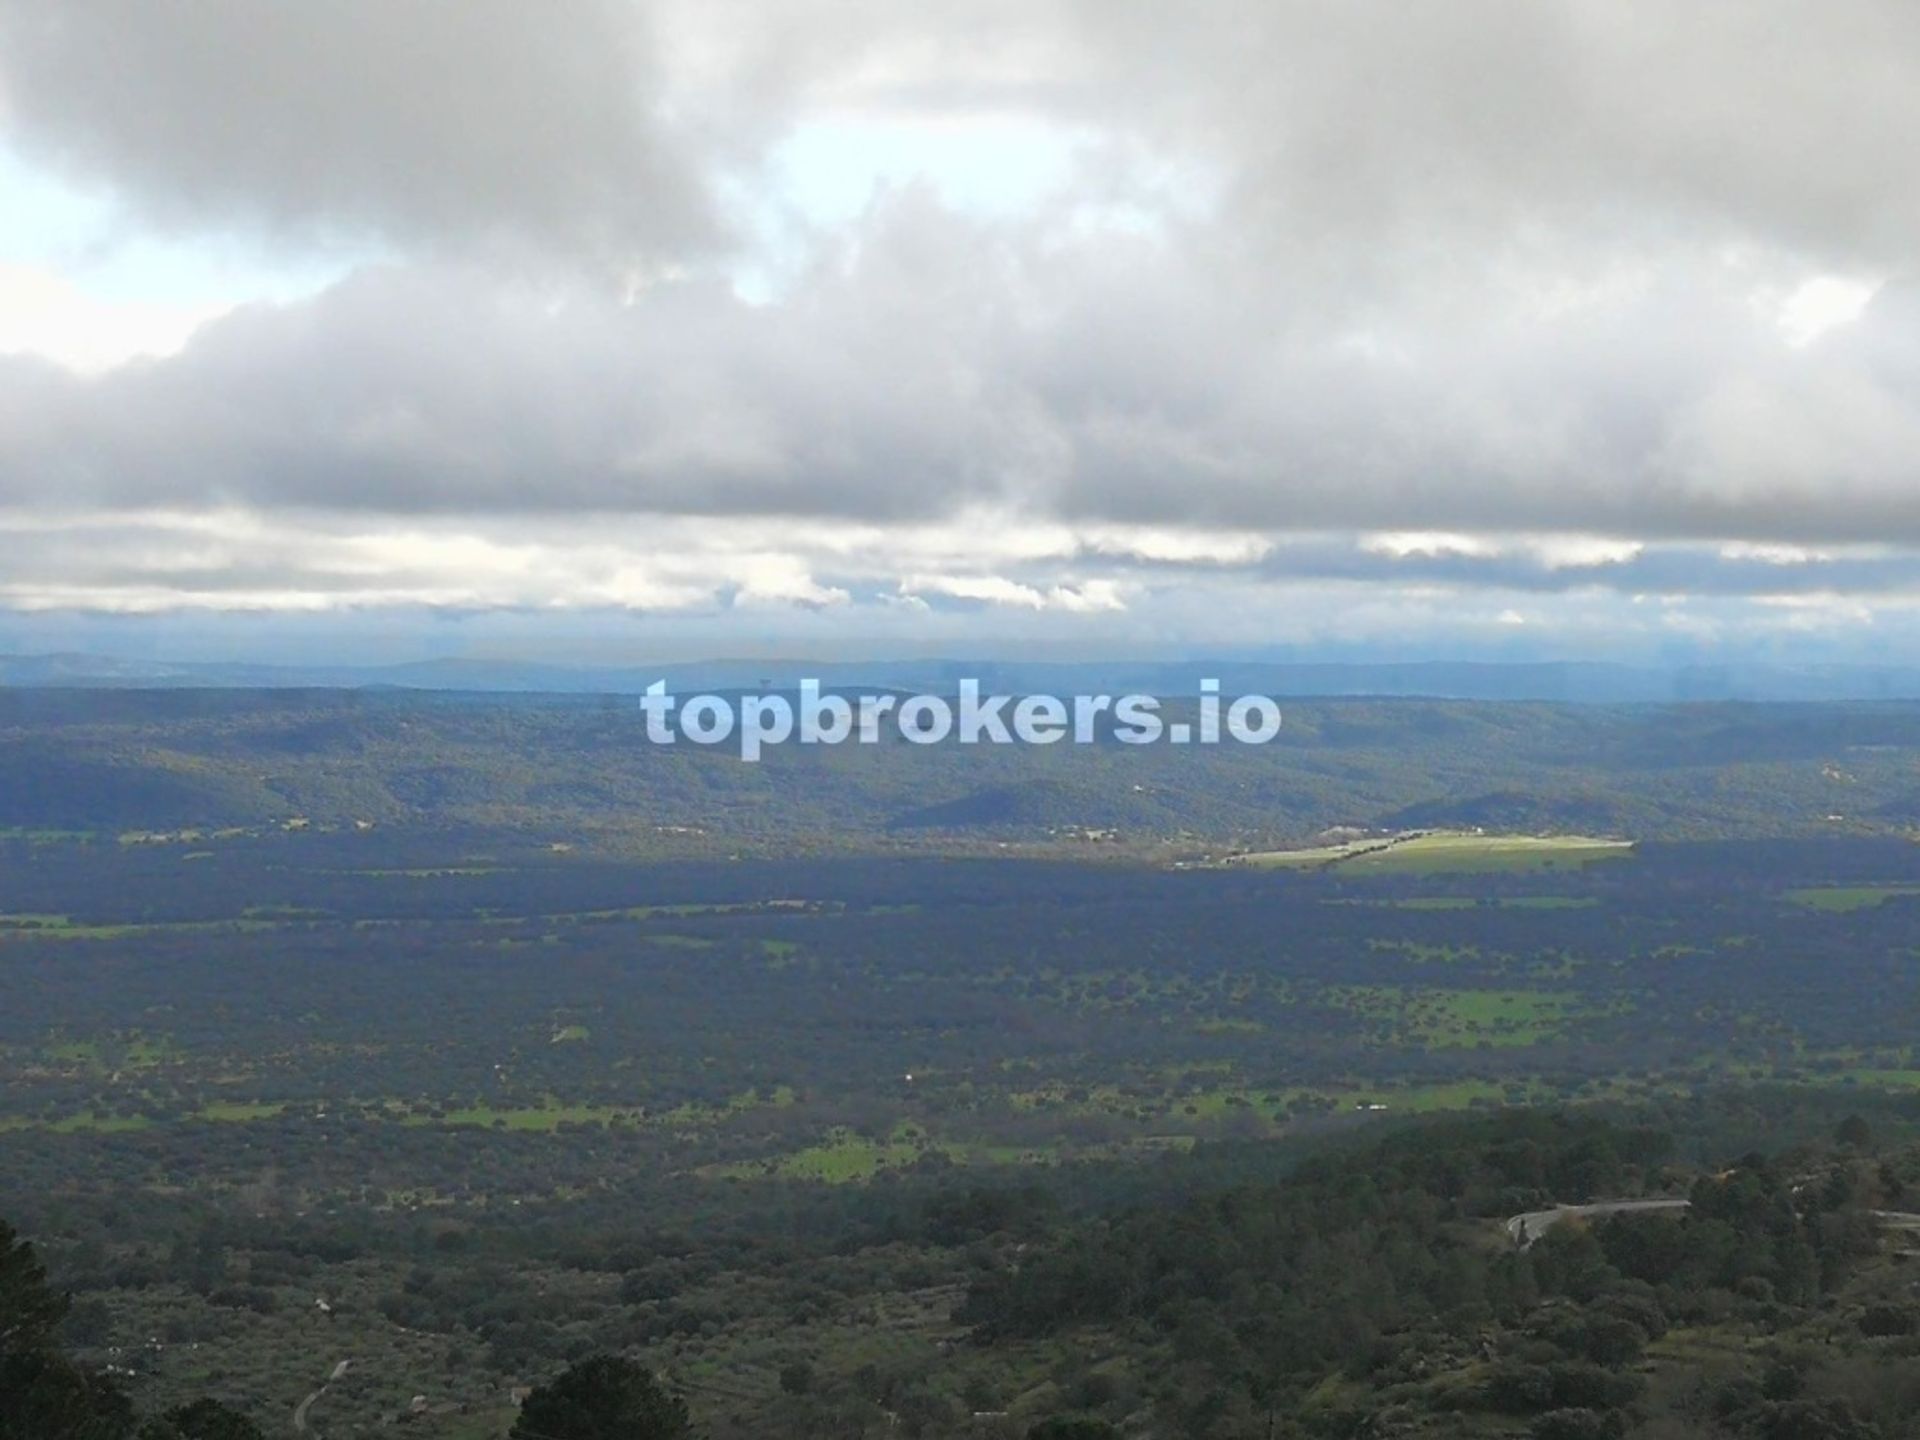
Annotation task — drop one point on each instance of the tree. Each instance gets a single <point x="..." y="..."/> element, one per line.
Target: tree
<point x="30" y="1309"/>
<point x="1072" y="1427"/>
<point x="89" y="1323"/>
<point x="202" y="1420"/>
<point x="45" y="1396"/>
<point x="1854" y="1132"/>
<point x="604" y="1397"/>
<point x="1577" y="1424"/>
<point x="49" y="1398"/>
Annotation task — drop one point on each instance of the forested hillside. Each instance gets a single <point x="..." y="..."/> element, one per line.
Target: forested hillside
<point x="581" y="770"/>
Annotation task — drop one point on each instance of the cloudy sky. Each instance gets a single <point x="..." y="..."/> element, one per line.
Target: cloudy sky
<point x="1555" y="327"/>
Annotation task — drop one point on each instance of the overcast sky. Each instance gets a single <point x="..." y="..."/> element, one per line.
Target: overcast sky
<point x="1557" y="327"/>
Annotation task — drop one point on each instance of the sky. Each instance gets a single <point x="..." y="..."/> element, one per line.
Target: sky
<point x="1502" y="328"/>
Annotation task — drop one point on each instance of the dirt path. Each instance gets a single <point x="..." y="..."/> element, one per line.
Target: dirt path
<point x="300" y="1410"/>
<point x="1526" y="1228"/>
<point x="1529" y="1227"/>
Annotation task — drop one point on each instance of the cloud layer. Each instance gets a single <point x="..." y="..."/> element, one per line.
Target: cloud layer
<point x="1499" y="299"/>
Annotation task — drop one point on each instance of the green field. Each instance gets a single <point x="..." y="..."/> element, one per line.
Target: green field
<point x="1446" y="852"/>
<point x="1841" y="899"/>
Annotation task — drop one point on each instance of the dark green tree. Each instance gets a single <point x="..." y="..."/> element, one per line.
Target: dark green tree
<point x="202" y="1420"/>
<point x="1072" y="1427"/>
<point x="604" y="1397"/>
<point x="1855" y="1132"/>
<point x="30" y="1309"/>
<point x="1579" y="1425"/>
<point x="44" y="1396"/>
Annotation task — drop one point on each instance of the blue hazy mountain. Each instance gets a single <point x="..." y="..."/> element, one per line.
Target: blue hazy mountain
<point x="1572" y="681"/>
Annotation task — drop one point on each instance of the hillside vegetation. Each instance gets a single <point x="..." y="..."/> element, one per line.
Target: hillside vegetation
<point x="582" y="769"/>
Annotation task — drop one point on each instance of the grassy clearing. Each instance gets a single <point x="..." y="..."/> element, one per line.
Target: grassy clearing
<point x="552" y="1113"/>
<point x="843" y="1157"/>
<point x="783" y="908"/>
<point x="87" y="1121"/>
<point x="1453" y="1095"/>
<point x="1316" y="857"/>
<point x="1474" y="902"/>
<point x="1426" y="954"/>
<point x="1840" y="899"/>
<point x="239" y="1112"/>
<point x="1445" y="1019"/>
<point x="1882" y="1079"/>
<point x="1435" y="854"/>
<point x="436" y="872"/>
<point x="1446" y="852"/>
<point x="39" y="925"/>
<point x="544" y="1118"/>
<point x="101" y="1055"/>
<point x="33" y="920"/>
<point x="96" y="1122"/>
<point x="64" y="927"/>
<point x="1171" y="1119"/>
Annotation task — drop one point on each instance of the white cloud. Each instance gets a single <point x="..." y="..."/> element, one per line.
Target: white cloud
<point x="1402" y="543"/>
<point x="1089" y="598"/>
<point x="46" y="315"/>
<point x="1582" y="552"/>
<point x="1083" y="311"/>
<point x="1772" y="554"/>
<point x="988" y="589"/>
<point x="1820" y="304"/>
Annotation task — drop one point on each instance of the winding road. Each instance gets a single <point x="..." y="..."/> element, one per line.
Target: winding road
<point x="300" y="1410"/>
<point x="1526" y="1228"/>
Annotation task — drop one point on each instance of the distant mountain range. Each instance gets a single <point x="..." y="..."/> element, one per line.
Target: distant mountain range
<point x="1574" y="681"/>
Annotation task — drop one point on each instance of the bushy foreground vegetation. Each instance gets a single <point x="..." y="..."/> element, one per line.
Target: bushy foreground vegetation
<point x="1361" y="1283"/>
